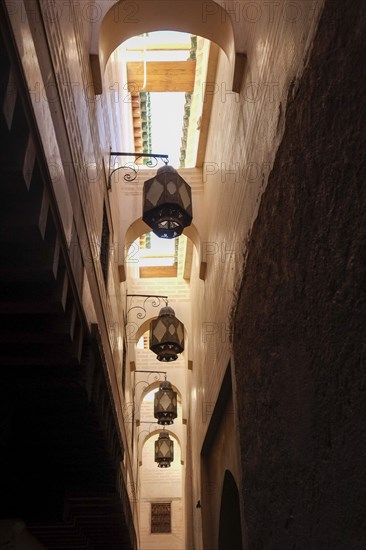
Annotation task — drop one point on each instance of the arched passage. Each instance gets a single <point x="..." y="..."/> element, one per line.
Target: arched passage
<point x="139" y="228"/>
<point x="157" y="432"/>
<point x="144" y="404"/>
<point x="203" y="18"/>
<point x="230" y="535"/>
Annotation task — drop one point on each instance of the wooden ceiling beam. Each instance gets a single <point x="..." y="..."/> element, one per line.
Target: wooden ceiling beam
<point x="162" y="76"/>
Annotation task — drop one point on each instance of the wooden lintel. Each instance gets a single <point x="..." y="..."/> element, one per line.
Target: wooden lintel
<point x="162" y="76"/>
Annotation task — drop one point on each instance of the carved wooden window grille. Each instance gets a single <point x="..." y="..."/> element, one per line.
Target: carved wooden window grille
<point x="160" y="517"/>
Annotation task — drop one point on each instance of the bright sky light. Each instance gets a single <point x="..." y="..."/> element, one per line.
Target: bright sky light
<point x="160" y="253"/>
<point x="160" y="246"/>
<point x="167" y="110"/>
<point x="160" y="37"/>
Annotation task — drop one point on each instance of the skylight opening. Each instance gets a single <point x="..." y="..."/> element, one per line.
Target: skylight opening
<point x="149" y="256"/>
<point x="157" y="257"/>
<point x="161" y="73"/>
<point x="167" y="112"/>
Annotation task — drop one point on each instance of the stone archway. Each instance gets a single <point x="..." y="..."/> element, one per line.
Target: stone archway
<point x="126" y="19"/>
<point x="139" y="228"/>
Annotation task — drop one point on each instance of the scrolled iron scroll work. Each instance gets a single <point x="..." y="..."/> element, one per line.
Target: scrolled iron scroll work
<point x="141" y="308"/>
<point x="152" y="377"/>
<point x="131" y="167"/>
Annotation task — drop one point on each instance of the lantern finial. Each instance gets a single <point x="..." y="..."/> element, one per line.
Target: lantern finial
<point x="164" y="450"/>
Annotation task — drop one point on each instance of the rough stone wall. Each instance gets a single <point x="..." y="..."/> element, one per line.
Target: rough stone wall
<point x="300" y="330"/>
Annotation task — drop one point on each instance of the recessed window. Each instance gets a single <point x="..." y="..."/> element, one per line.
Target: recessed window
<point x="124" y="367"/>
<point x="160" y="517"/>
<point x="104" y="247"/>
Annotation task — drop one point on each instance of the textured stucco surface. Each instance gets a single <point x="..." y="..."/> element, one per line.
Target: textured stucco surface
<point x="300" y="330"/>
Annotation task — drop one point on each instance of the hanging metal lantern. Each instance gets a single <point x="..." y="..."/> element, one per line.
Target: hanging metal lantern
<point x="167" y="203"/>
<point x="166" y="335"/>
<point x="165" y="404"/>
<point x="164" y="450"/>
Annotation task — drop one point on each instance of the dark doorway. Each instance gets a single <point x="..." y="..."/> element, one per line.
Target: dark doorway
<point x="230" y="537"/>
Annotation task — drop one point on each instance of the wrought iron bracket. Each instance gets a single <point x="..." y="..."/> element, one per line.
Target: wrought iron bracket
<point x="150" y="380"/>
<point x="142" y="312"/>
<point x="131" y="168"/>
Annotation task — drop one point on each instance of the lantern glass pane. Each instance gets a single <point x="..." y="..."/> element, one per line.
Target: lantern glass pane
<point x="186" y="199"/>
<point x="155" y="192"/>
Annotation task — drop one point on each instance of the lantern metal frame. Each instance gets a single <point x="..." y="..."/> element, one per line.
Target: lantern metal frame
<point x="131" y="167"/>
<point x="167" y="203"/>
<point x="168" y="413"/>
<point x="167" y="348"/>
<point x="167" y="211"/>
<point x="160" y="347"/>
<point x="164" y="461"/>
